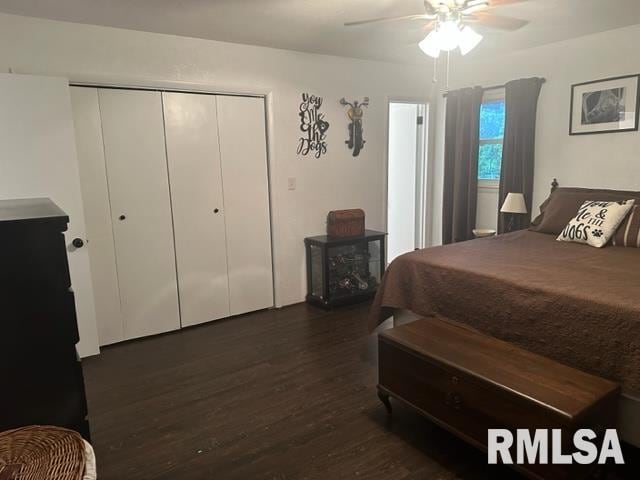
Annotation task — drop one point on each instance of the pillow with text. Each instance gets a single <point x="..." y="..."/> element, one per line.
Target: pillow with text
<point x="596" y="222"/>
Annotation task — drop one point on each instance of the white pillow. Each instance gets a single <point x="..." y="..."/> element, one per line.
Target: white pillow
<point x="596" y="222"/>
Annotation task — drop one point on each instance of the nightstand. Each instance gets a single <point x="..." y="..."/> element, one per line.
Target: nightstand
<point x="483" y="232"/>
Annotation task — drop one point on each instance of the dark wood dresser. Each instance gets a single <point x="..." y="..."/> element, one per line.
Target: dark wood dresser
<point x="41" y="374"/>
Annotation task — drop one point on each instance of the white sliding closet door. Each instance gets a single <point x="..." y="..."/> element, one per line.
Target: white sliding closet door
<point x="243" y="150"/>
<point x="95" y="195"/>
<point x="134" y="145"/>
<point x="193" y="154"/>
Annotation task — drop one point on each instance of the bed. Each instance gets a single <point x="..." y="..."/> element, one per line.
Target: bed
<point x="576" y="304"/>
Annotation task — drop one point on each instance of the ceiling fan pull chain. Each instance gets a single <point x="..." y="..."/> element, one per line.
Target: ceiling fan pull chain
<point x="435" y="70"/>
<point x="448" y="63"/>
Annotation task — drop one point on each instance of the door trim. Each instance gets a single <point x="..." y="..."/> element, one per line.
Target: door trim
<point x="163" y="89"/>
<point x="427" y="164"/>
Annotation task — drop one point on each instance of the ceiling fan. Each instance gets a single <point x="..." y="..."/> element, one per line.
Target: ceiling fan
<point x="449" y="21"/>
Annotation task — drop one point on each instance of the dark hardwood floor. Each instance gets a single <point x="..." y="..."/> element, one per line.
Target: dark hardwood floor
<point x="281" y="394"/>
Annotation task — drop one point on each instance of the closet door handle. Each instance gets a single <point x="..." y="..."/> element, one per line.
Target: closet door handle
<point x="122" y="217"/>
<point x="77" y="242"/>
<point x="216" y="210"/>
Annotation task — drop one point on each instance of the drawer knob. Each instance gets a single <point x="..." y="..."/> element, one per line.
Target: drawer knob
<point x="454" y="401"/>
<point x="455" y="380"/>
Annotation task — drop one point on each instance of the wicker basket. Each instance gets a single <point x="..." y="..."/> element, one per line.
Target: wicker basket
<point x="41" y="453"/>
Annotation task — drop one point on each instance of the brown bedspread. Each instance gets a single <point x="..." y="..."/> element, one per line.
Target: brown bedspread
<point x="576" y="304"/>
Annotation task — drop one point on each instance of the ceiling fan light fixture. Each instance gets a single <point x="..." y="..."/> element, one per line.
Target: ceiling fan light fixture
<point x="468" y="39"/>
<point x="448" y="35"/>
<point x="430" y="45"/>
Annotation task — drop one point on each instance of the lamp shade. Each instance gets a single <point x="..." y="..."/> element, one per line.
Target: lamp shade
<point x="514" y="203"/>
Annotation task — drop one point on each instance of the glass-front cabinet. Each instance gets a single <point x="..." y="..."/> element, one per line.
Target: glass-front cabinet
<point x="342" y="270"/>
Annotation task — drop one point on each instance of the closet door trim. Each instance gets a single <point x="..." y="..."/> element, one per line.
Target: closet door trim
<point x="142" y="88"/>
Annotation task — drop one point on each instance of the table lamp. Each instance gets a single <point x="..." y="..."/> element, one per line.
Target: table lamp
<point x="513" y="205"/>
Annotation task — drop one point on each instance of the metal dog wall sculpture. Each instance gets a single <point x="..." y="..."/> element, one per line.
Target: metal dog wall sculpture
<point x="356" y="141"/>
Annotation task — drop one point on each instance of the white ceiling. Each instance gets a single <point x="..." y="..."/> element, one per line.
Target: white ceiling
<point x="317" y="25"/>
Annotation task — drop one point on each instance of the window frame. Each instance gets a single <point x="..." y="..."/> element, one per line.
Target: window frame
<point x="493" y="95"/>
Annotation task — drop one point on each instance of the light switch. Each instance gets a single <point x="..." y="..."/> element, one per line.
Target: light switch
<point x="291" y="183"/>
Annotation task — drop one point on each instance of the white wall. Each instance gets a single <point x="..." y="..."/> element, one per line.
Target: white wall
<point x="100" y="54"/>
<point x="608" y="160"/>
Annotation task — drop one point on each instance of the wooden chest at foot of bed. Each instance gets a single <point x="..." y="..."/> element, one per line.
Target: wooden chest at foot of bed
<point x="468" y="383"/>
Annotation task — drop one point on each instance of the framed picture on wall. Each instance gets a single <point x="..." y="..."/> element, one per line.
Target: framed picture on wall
<point x="605" y="106"/>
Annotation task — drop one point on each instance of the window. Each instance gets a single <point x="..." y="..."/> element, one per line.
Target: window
<point x="492" y="114"/>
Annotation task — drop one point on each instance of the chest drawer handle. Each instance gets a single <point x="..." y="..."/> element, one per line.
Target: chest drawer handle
<point x="454" y="400"/>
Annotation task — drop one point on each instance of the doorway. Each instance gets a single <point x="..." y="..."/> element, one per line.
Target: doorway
<point x="406" y="177"/>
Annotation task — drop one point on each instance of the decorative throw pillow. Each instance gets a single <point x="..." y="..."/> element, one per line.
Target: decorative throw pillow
<point x="596" y="222"/>
<point x="628" y="234"/>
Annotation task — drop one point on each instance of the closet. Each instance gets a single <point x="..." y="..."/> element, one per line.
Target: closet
<point x="176" y="194"/>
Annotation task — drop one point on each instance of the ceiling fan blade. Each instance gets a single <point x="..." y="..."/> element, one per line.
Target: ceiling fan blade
<point x="502" y="3"/>
<point x="472" y="6"/>
<point x="431" y="10"/>
<point x="498" y="22"/>
<point x="427" y="27"/>
<point x="424" y="31"/>
<point x="389" y="19"/>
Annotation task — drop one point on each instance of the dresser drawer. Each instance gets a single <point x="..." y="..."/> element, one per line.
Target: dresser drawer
<point x="31" y="324"/>
<point x="46" y="390"/>
<point x="34" y="260"/>
<point x="456" y="399"/>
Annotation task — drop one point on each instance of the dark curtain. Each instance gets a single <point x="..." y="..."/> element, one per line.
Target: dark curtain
<point x="461" y="164"/>
<point x="518" y="151"/>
